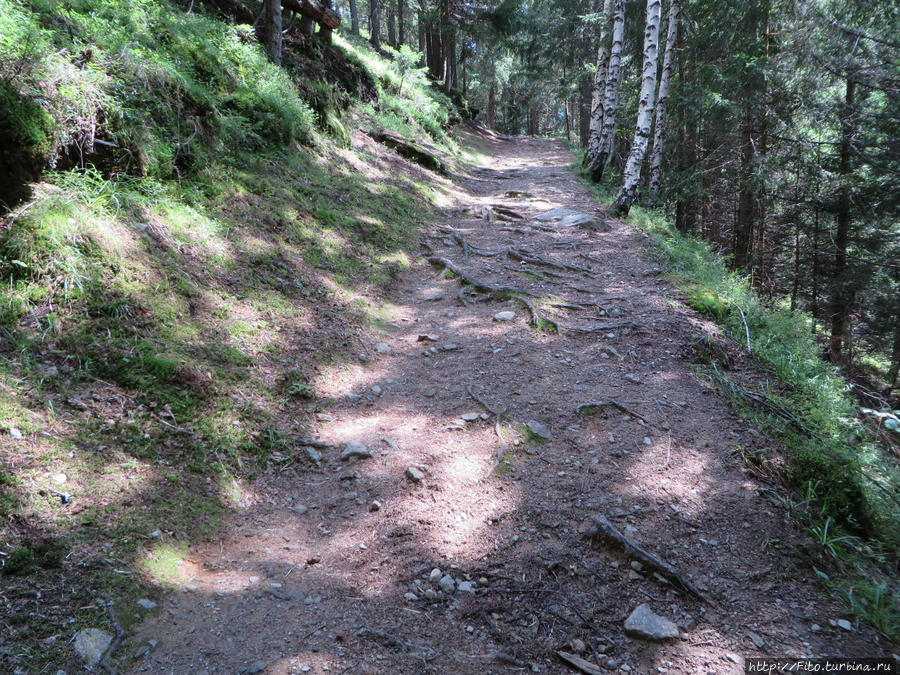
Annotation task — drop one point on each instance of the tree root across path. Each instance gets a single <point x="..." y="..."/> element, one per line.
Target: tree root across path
<point x="609" y="404"/>
<point x="658" y="565"/>
<point x="520" y="295"/>
<point x="501" y="451"/>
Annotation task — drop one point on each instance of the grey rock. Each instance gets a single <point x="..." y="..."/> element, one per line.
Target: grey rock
<point x="430" y="393"/>
<point x="435" y="575"/>
<point x="539" y="430"/>
<point x="376" y="389"/>
<point x="353" y="398"/>
<point x="355" y="450"/>
<point x="645" y="625"/>
<point x="570" y="218"/>
<point x="314" y="455"/>
<point x="647" y="441"/>
<point x="465" y="587"/>
<point x="447" y="584"/>
<point x="90" y="644"/>
<point x="300" y="509"/>
<point x="631" y="377"/>
<point x="155" y="534"/>
<point x="434" y="297"/>
<point x="375" y="506"/>
<point x="255" y="667"/>
<point x="146" y="603"/>
<point x="470" y="416"/>
<point x="145" y="649"/>
<point x="412" y="597"/>
<point x="846" y="625"/>
<point x="15" y="433"/>
<point x="430" y="594"/>
<point x="382" y="348"/>
<point x="756" y="639"/>
<point x="350" y="495"/>
<point x="48" y="370"/>
<point x="505" y="316"/>
<point x="449" y="347"/>
<point x="414" y="475"/>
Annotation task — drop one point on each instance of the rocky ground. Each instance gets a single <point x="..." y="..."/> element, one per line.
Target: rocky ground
<point x="446" y="527"/>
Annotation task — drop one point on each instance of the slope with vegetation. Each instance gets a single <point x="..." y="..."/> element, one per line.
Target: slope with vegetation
<point x="190" y="235"/>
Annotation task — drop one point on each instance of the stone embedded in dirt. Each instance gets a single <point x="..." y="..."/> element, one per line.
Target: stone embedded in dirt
<point x="647" y="441"/>
<point x="375" y="506"/>
<point x="355" y="450"/>
<point x="569" y="218"/>
<point x="434" y="297"/>
<point x="414" y="475"/>
<point x="465" y="587"/>
<point x="382" y="348"/>
<point x="450" y="347"/>
<point x="447" y="584"/>
<point x="539" y="430"/>
<point x="15" y="433"/>
<point x="142" y="651"/>
<point x="155" y="534"/>
<point x="90" y="644"/>
<point x="314" y="455"/>
<point x="756" y="639"/>
<point x="430" y="594"/>
<point x="299" y="509"/>
<point x="412" y="597"/>
<point x="846" y="625"/>
<point x="435" y="575"/>
<point x="255" y="667"/>
<point x="146" y="603"/>
<point x="631" y="377"/>
<point x="505" y="316"/>
<point x="430" y="393"/>
<point x="376" y="389"/>
<point x="470" y="416"/>
<point x="59" y="478"/>
<point x="645" y="625"/>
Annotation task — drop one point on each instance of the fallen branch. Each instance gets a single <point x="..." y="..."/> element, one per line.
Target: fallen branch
<point x="534" y="259"/>
<point x="609" y="404"/>
<point x="658" y="565"/>
<point x="120" y="634"/>
<point x="580" y="664"/>
<point x="472" y="281"/>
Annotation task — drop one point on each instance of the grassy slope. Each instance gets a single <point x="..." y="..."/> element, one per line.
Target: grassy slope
<point x="163" y="321"/>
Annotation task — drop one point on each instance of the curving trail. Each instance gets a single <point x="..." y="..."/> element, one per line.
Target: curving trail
<point x="309" y="578"/>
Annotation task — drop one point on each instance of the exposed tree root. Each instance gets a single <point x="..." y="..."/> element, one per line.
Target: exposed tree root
<point x="501" y="451"/>
<point x="609" y="404"/>
<point x="658" y="565"/>
<point x="120" y="634"/>
<point x="605" y="326"/>
<point x="534" y="259"/>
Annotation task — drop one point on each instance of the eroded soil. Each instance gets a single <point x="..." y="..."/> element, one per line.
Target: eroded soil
<point x="309" y="577"/>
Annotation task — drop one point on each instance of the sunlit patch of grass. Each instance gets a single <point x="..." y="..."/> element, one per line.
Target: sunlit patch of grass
<point x="162" y="563"/>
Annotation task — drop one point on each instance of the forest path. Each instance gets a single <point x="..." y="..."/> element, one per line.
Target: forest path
<point x="310" y="577"/>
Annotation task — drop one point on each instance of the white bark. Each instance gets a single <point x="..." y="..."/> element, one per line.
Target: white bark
<point x="610" y="94"/>
<point x="659" y="130"/>
<point x="599" y="86"/>
<point x="632" y="175"/>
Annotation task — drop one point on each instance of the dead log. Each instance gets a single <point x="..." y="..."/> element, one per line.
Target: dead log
<point x="417" y="152"/>
<point x="314" y="10"/>
<point x="664" y="569"/>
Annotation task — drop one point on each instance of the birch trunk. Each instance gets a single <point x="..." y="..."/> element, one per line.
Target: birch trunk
<point x="659" y="131"/>
<point x="632" y="174"/>
<point x="611" y="93"/>
<point x="599" y="86"/>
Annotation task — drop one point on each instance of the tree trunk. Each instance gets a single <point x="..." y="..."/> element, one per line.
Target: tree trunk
<point x="659" y="132"/>
<point x="895" y="357"/>
<point x="743" y="227"/>
<point x="420" y="26"/>
<point x="596" y="119"/>
<point x="401" y="25"/>
<point x="584" y="113"/>
<point x="391" y="28"/>
<point x="841" y="293"/>
<point x="632" y="173"/>
<point x="273" y="29"/>
<point x="490" y="112"/>
<point x="375" y="24"/>
<point x="611" y="93"/>
<point x="354" y="18"/>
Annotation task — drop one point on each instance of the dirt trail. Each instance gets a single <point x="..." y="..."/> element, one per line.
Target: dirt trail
<point x="310" y="578"/>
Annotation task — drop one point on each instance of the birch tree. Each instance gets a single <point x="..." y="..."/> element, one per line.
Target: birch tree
<point x="603" y="51"/>
<point x="632" y="175"/>
<point x="659" y="130"/>
<point x="610" y="94"/>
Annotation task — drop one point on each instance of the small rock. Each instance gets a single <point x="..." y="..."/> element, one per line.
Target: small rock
<point x="382" y="348"/>
<point x="846" y="625"/>
<point x="631" y="377"/>
<point x="504" y="316"/>
<point x="470" y="416"/>
<point x="465" y="587"/>
<point x="377" y="390"/>
<point x="577" y="646"/>
<point x="645" y="625"/>
<point x="434" y="297"/>
<point x="611" y="664"/>
<point x="59" y="478"/>
<point x="350" y="495"/>
<point x="375" y="506"/>
<point x="355" y="450"/>
<point x="155" y="534"/>
<point x="625" y="668"/>
<point x="430" y="594"/>
<point x="146" y="603"/>
<point x="634" y="576"/>
<point x="539" y="430"/>
<point x="435" y="575"/>
<point x="90" y="644"/>
<point x="15" y="433"/>
<point x="450" y="347"/>
<point x="300" y="509"/>
<point x="145" y="649"/>
<point x="430" y="393"/>
<point x="253" y="580"/>
<point x="756" y="639"/>
<point x="314" y="455"/>
<point x="412" y="597"/>
<point x="414" y="475"/>
<point x="815" y="628"/>
<point x="48" y="370"/>
<point x="255" y="667"/>
<point x="447" y="584"/>
<point x="647" y="441"/>
<point x="636" y="566"/>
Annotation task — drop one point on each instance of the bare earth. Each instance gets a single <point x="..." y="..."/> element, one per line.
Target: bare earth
<point x="325" y="587"/>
